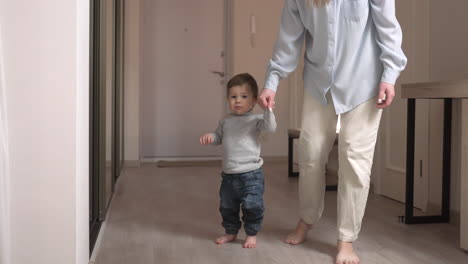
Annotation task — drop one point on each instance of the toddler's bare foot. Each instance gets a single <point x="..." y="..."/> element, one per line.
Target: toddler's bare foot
<point x="250" y="242"/>
<point x="225" y="239"/>
<point x="298" y="236"/>
<point x="346" y="254"/>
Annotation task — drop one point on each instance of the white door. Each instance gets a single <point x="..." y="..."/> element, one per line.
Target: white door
<point x="390" y="173"/>
<point x="181" y="98"/>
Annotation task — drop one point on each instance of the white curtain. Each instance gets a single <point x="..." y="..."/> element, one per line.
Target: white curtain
<point x="4" y="168"/>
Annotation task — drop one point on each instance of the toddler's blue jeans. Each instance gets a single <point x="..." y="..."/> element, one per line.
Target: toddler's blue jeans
<point x="243" y="190"/>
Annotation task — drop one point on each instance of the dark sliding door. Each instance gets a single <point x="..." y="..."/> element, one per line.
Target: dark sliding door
<point x="106" y="104"/>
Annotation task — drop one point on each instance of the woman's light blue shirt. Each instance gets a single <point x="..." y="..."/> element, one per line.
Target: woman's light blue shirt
<point x="351" y="46"/>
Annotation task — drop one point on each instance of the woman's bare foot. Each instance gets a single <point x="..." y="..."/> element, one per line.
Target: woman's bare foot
<point x="299" y="235"/>
<point x="346" y="254"/>
<point x="250" y="242"/>
<point x="225" y="239"/>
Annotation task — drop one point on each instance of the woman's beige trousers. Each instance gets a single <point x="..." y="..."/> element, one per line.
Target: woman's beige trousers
<point x="356" y="143"/>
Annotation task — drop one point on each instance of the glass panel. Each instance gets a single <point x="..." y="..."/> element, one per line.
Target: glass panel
<point x="109" y="73"/>
<point x="118" y="85"/>
<point x="103" y="98"/>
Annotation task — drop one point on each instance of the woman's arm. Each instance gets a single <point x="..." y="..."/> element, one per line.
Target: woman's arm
<point x="288" y="46"/>
<point x="389" y="38"/>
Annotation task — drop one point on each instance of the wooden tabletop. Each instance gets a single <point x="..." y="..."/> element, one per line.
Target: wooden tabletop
<point x="446" y="89"/>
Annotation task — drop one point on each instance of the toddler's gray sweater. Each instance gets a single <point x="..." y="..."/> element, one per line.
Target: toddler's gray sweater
<point x="240" y="137"/>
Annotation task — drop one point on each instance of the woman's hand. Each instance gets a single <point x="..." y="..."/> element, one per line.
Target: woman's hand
<point x="267" y="98"/>
<point x="206" y="139"/>
<point x="386" y="95"/>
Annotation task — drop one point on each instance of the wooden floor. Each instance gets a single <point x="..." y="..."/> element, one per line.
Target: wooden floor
<point x="170" y="215"/>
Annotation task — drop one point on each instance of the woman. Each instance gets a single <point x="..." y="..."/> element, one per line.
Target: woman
<point x="353" y="58"/>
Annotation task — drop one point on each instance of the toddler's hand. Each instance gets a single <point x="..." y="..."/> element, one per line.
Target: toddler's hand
<point x="267" y="98"/>
<point x="206" y="139"/>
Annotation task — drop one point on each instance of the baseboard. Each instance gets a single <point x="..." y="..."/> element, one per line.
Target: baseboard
<point x="455" y="217"/>
<point x="97" y="245"/>
<point x="153" y="160"/>
<point x="132" y="164"/>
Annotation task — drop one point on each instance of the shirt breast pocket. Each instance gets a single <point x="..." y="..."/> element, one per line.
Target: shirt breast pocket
<point x="355" y="10"/>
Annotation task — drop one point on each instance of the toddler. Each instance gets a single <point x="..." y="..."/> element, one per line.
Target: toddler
<point x="242" y="184"/>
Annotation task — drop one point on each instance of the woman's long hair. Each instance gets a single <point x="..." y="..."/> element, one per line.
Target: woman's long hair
<point x="318" y="3"/>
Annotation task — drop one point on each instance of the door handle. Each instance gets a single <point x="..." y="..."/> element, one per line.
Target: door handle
<point x="221" y="74"/>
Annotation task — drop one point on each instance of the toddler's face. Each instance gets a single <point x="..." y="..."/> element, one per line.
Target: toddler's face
<point x="240" y="99"/>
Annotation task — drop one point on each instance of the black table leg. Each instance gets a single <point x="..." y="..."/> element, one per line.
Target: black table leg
<point x="446" y="160"/>
<point x="410" y="129"/>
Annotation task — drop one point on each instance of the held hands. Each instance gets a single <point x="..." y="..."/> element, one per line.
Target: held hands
<point x="206" y="139"/>
<point x="386" y="95"/>
<point x="267" y="98"/>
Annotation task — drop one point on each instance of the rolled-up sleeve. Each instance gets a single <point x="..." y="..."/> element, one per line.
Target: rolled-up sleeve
<point x="288" y="46"/>
<point x="389" y="39"/>
<point x="268" y="123"/>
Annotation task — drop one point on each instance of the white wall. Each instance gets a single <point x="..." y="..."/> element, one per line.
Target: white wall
<point x="449" y="39"/>
<point x="254" y="60"/>
<point x="464" y="178"/>
<point x="448" y="61"/>
<point x="5" y="252"/>
<point x="46" y="78"/>
<point x="82" y="133"/>
<point x="132" y="83"/>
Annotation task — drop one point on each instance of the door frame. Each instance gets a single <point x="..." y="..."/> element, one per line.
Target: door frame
<point x="228" y="62"/>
